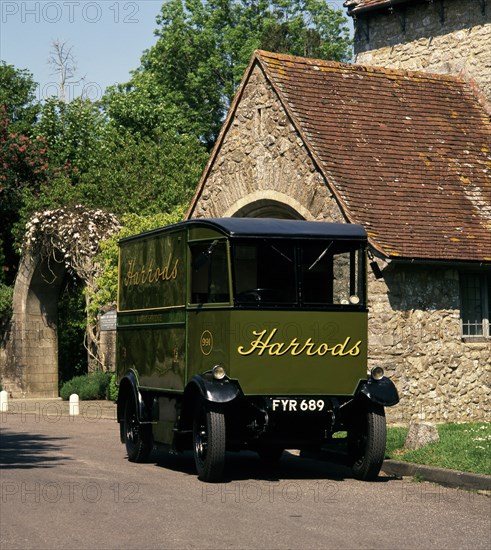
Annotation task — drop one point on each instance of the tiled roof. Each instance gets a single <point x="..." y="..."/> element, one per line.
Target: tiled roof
<point x="356" y="7"/>
<point x="406" y="154"/>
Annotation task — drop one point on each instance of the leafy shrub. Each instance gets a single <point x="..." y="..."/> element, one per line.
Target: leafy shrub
<point x="6" y="295"/>
<point x="72" y="386"/>
<point x="113" y="389"/>
<point x="87" y="387"/>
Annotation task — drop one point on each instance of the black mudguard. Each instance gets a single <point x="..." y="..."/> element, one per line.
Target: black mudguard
<point x="215" y="391"/>
<point x="383" y="392"/>
<point x="129" y="385"/>
<point x="201" y="388"/>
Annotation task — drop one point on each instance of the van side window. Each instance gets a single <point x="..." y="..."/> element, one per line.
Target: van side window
<point x="332" y="274"/>
<point x="209" y="273"/>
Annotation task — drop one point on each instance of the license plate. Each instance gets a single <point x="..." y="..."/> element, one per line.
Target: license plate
<point x="287" y="404"/>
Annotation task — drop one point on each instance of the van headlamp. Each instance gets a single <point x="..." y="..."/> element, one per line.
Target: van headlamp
<point x="218" y="372"/>
<point x="377" y="373"/>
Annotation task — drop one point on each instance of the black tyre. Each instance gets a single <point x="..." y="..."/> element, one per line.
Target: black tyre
<point x="366" y="442"/>
<point x="209" y="442"/>
<point x="137" y="437"/>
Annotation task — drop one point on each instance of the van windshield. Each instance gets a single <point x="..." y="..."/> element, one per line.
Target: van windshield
<point x="310" y="273"/>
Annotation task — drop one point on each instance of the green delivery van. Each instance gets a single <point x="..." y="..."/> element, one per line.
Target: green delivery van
<point x="248" y="333"/>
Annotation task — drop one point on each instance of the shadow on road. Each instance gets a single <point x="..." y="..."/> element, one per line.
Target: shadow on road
<point x="248" y="466"/>
<point x="30" y="450"/>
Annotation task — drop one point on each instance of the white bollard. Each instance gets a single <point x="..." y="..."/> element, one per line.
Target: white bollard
<point x="74" y="405"/>
<point x="4" y="401"/>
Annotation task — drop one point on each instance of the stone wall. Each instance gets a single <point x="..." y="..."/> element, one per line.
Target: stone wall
<point x="415" y="334"/>
<point x="441" y="37"/>
<point x="414" y="311"/>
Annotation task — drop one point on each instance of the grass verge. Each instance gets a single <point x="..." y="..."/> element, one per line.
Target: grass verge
<point x="465" y="447"/>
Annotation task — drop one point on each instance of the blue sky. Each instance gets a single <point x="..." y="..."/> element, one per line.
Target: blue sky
<point x="107" y="37"/>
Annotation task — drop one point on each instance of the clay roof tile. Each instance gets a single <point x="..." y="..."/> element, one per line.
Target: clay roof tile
<point x="406" y="154"/>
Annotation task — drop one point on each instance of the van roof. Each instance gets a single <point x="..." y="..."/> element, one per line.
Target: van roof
<point x="266" y="227"/>
<point x="272" y="227"/>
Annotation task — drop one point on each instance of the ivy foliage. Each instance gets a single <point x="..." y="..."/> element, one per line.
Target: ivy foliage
<point x="6" y="295"/>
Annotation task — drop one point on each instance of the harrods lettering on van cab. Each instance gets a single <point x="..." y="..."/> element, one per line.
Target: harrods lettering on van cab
<point x="264" y="343"/>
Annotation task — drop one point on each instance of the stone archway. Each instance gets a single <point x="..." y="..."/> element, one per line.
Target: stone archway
<point x="58" y="244"/>
<point x="32" y="361"/>
<point x="268" y="204"/>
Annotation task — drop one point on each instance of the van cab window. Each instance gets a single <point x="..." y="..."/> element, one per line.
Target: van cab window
<point x="315" y="273"/>
<point x="264" y="272"/>
<point x="332" y="273"/>
<point x="209" y="273"/>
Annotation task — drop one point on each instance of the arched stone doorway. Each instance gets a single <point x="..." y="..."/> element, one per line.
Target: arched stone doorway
<point x="267" y="204"/>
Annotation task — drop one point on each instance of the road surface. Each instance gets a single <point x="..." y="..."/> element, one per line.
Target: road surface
<point x="66" y="483"/>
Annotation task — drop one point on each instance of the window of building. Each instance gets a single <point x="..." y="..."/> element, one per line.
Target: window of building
<point x="475" y="291"/>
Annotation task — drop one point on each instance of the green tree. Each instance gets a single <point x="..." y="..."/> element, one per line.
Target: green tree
<point x="149" y="174"/>
<point x="23" y="157"/>
<point x="141" y="106"/>
<point x="17" y="96"/>
<point x="24" y="170"/>
<point x="74" y="133"/>
<point x="203" y="48"/>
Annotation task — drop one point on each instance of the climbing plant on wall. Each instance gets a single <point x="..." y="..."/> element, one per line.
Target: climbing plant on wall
<point x="71" y="237"/>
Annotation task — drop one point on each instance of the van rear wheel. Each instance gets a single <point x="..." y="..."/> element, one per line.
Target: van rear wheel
<point x="366" y="441"/>
<point x="209" y="442"/>
<point x="137" y="436"/>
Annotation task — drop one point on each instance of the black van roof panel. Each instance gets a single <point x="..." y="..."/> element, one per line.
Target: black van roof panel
<point x="272" y="227"/>
<point x="267" y="227"/>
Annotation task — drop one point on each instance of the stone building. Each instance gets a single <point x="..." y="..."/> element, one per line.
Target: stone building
<point x="406" y="154"/>
<point x="441" y="36"/>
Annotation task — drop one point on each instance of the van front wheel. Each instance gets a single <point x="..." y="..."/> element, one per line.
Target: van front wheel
<point x="209" y="442"/>
<point x="366" y="441"/>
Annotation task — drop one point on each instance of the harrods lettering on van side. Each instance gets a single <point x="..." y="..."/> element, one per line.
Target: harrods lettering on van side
<point x="264" y="343"/>
<point x="149" y="274"/>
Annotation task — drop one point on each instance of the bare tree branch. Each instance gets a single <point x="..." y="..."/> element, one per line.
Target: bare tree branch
<point x="64" y="65"/>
